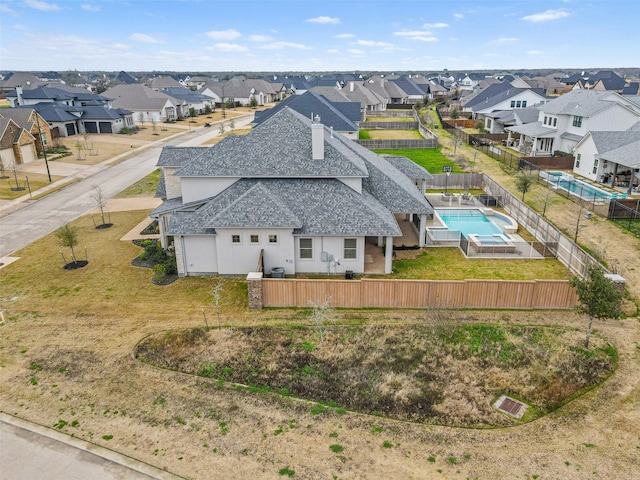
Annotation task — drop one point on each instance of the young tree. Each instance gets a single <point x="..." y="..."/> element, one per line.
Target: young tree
<point x="222" y="129"/>
<point x="321" y="313"/>
<point x="2" y="175"/>
<point x="86" y="138"/>
<point x="232" y="124"/>
<point x="253" y="103"/>
<point x="79" y="147"/>
<point x="192" y="112"/>
<point x="153" y="125"/>
<point x="141" y="119"/>
<point x="599" y="297"/>
<point x="100" y="200"/>
<point x="207" y="109"/>
<point x="524" y="182"/>
<point x="455" y="114"/>
<point x="68" y="237"/>
<point x="216" y="291"/>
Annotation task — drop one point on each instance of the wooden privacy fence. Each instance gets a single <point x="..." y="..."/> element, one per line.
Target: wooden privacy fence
<point x="368" y="293"/>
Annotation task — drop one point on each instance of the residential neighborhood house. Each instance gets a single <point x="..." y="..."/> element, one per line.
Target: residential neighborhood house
<point x="290" y="192"/>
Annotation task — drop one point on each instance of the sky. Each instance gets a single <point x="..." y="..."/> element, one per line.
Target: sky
<point x="317" y="35"/>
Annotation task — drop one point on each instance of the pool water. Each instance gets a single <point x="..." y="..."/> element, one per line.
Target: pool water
<point x="577" y="187"/>
<point x="491" y="240"/>
<point x="469" y="221"/>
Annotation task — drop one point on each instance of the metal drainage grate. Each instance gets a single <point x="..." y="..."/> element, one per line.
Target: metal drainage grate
<point x="510" y="406"/>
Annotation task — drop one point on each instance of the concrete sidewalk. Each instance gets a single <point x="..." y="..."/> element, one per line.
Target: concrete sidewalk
<point x="32" y="452"/>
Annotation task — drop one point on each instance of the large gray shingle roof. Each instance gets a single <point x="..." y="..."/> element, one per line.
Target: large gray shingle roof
<point x="309" y="206"/>
<point x="279" y="147"/>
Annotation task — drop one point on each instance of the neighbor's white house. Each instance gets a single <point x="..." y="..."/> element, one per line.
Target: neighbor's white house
<point x="565" y="120"/>
<point x="612" y="158"/>
<point x="290" y="194"/>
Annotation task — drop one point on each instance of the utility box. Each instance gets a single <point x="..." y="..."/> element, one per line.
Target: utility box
<point x="348" y="275"/>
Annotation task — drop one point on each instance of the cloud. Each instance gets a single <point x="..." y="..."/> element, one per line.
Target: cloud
<point x="229" y="34"/>
<point x="422" y="36"/>
<point x="505" y="40"/>
<point x="141" y="37"/>
<point x="228" y="47"/>
<point x="260" y="38"/>
<point x="90" y="7"/>
<point x="7" y="9"/>
<point x="535" y="52"/>
<point x="458" y="15"/>
<point x="435" y="25"/>
<point x="411" y="33"/>
<point x="282" y="45"/>
<point x="324" y="20"/>
<point x="344" y="35"/>
<point x="372" y="43"/>
<point x="355" y="51"/>
<point x="546" y="16"/>
<point x="44" y="6"/>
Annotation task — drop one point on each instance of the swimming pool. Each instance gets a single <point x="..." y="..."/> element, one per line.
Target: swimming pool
<point x="485" y="223"/>
<point x="577" y="187"/>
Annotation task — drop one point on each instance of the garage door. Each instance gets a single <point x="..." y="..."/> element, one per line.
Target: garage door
<point x="91" y="127"/>
<point x="8" y="158"/>
<point x="105" y="127"/>
<point x="71" y="129"/>
<point x="28" y="153"/>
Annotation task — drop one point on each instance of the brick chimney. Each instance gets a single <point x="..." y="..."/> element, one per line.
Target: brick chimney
<point x="317" y="139"/>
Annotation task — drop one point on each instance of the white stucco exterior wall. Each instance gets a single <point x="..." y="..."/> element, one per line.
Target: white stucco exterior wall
<point x="199" y="188"/>
<point x="353" y="183"/>
<point x="241" y="258"/>
<point x="199" y="254"/>
<point x="332" y="245"/>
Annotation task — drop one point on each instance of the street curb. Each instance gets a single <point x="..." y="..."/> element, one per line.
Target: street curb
<point x="92" y="448"/>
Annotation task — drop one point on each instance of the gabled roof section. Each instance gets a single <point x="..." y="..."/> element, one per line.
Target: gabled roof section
<point x="186" y="94"/>
<point x="410" y="168"/>
<point x="137" y="97"/>
<point x="259" y="206"/>
<point x="584" y="103"/>
<point x="321" y="206"/>
<point x="279" y="147"/>
<point x="171" y="156"/>
<point x="310" y="103"/>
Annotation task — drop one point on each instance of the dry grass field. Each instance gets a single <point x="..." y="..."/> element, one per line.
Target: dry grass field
<point x="67" y="362"/>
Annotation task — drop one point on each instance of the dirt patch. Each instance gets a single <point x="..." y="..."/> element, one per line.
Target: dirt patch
<point x="395" y="135"/>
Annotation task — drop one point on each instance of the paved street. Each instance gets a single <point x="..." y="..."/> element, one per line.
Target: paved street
<point x="31" y="452"/>
<point x="35" y="219"/>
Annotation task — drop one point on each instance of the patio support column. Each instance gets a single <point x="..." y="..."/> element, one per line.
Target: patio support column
<point x="163" y="237"/>
<point x="380" y="241"/>
<point x="424" y="185"/>
<point x="388" y="255"/>
<point x="423" y="229"/>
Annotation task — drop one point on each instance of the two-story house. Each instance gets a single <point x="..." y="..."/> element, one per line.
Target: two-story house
<point x="565" y="120"/>
<point x="290" y="192"/>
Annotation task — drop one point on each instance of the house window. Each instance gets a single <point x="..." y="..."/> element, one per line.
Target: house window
<point x="578" y="160"/>
<point x="555" y="122"/>
<point x="595" y="166"/>
<point x="306" y="248"/>
<point x="513" y="103"/>
<point x="273" y="238"/>
<point x="488" y="124"/>
<point x="255" y="238"/>
<point x="235" y="238"/>
<point x="350" y="249"/>
<point x="577" y="121"/>
<point x="518" y="104"/>
<point x="524" y="103"/>
<point x="545" y="120"/>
